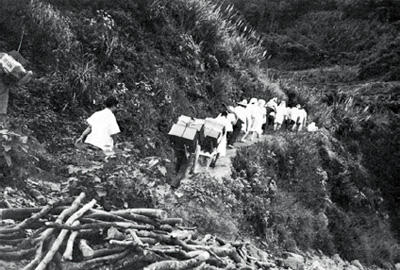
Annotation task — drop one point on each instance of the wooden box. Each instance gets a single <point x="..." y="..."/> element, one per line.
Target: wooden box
<point x="181" y="135"/>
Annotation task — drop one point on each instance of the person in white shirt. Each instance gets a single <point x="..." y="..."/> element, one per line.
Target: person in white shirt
<point x="252" y="114"/>
<point x="302" y="119"/>
<point x="222" y="118"/>
<point x="242" y="118"/>
<point x="259" y="120"/>
<point x="281" y="115"/>
<point x="102" y="127"/>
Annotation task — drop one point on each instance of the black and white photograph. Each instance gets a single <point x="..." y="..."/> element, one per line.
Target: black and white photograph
<point x="199" y="134"/>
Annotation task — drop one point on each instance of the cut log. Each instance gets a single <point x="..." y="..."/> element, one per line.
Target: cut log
<point x="225" y="251"/>
<point x="201" y="257"/>
<point x="50" y="254"/>
<point x="103" y="216"/>
<point x="150" y="212"/>
<point x="136" y="217"/>
<point x="114" y="233"/>
<point x="135" y="237"/>
<point x="17" y="255"/>
<point x="179" y="234"/>
<point x="11" y="242"/>
<point x="171" y="221"/>
<point x="165" y="227"/>
<point x="67" y="256"/>
<point x="13" y="235"/>
<point x="95" y="263"/>
<point x="148" y="240"/>
<point x="123" y="243"/>
<point x="20" y="214"/>
<point x="87" y="251"/>
<point x="124" y="225"/>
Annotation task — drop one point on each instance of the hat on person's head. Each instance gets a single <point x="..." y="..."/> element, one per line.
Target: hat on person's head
<point x="243" y="102"/>
<point x="253" y="101"/>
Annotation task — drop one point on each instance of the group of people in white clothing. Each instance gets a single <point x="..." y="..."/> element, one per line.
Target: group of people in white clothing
<point x="257" y="116"/>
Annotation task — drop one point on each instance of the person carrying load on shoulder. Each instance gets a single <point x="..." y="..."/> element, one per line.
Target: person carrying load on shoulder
<point x="186" y="136"/>
<point x="12" y="72"/>
<point x="223" y="119"/>
<point x="102" y="128"/>
<point x="242" y="119"/>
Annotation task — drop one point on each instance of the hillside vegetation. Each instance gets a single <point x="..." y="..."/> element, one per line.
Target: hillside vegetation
<point x="338" y="189"/>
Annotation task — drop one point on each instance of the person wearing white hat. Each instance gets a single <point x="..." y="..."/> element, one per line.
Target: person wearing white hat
<point x="281" y="115"/>
<point x="242" y="119"/>
<point x="252" y="113"/>
<point x="259" y="119"/>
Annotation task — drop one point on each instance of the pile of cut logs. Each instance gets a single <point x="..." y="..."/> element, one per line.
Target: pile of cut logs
<point x="81" y="237"/>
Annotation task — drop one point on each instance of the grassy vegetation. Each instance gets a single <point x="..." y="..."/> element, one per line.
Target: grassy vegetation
<point x="325" y="199"/>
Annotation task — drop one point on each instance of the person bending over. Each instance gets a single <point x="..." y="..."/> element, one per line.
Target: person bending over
<point x="102" y="127"/>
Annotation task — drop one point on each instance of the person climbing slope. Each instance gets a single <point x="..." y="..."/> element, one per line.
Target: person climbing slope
<point x="242" y="120"/>
<point x="271" y="107"/>
<point x="259" y="119"/>
<point x="223" y="119"/>
<point x="252" y="114"/>
<point x="102" y="127"/>
<point x="281" y="115"/>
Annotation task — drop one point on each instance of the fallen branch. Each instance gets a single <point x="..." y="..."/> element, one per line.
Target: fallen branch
<point x="101" y="224"/>
<point x="225" y="251"/>
<point x="13" y="235"/>
<point x="67" y="256"/>
<point x="171" y="221"/>
<point x="17" y="255"/>
<point x="11" y="242"/>
<point x="135" y="237"/>
<point x="135" y="217"/>
<point x="152" y="213"/>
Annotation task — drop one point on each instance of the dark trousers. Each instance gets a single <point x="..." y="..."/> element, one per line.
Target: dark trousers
<point x="235" y="133"/>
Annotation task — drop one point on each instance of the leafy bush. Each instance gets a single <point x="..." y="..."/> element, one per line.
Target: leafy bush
<point x="324" y="200"/>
